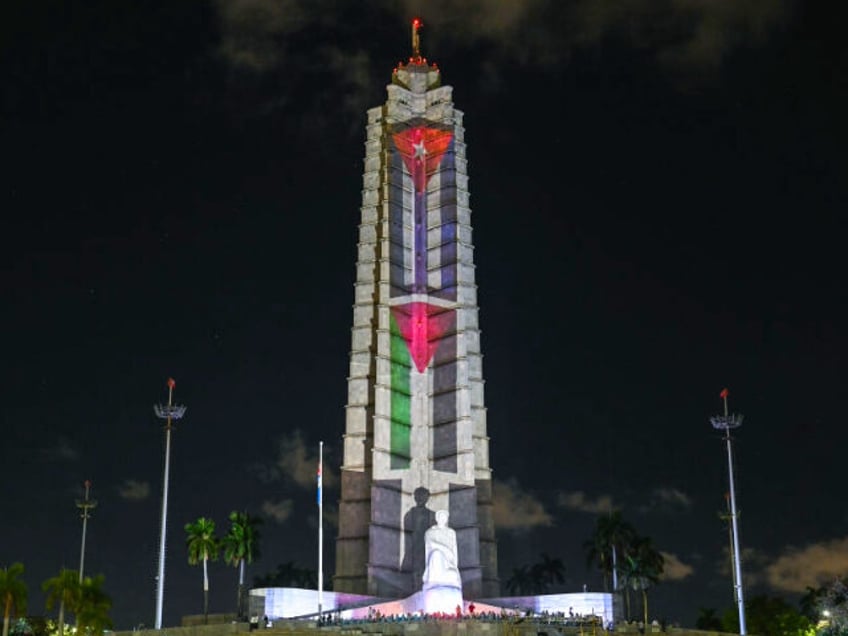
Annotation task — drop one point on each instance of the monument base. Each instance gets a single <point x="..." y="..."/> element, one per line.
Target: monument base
<point x="439" y="599"/>
<point x="282" y="603"/>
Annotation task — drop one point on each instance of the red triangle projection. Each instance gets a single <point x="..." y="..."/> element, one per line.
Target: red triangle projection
<point x="422" y="150"/>
<point x="422" y="326"/>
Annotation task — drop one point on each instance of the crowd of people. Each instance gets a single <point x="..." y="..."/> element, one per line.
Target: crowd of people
<point x="559" y="619"/>
<point x="589" y="623"/>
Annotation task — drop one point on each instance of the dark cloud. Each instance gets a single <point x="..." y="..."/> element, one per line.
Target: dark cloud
<point x="256" y="33"/>
<point x="753" y="561"/>
<point x="682" y="33"/>
<point x="63" y="449"/>
<point x="667" y="499"/>
<point x="253" y="31"/>
<point x="279" y="511"/>
<point x="674" y="569"/>
<point x="580" y="502"/>
<point x="134" y="490"/>
<point x="517" y="509"/>
<point x="794" y="569"/>
<point x="813" y="565"/>
<point x="297" y="463"/>
<point x="322" y="64"/>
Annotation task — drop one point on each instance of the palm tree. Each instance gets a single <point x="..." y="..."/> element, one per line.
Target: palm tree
<point x="13" y="593"/>
<point x="92" y="607"/>
<point x="552" y="570"/>
<point x="241" y="544"/>
<point x="521" y="581"/>
<point x="538" y="579"/>
<point x="642" y="568"/>
<point x="64" y="590"/>
<point x="283" y="576"/>
<point x="306" y="578"/>
<point x="612" y="537"/>
<point x="288" y="575"/>
<point x="202" y="546"/>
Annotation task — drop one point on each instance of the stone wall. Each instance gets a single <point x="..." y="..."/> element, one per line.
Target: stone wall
<point x="213" y="629"/>
<point x="413" y="628"/>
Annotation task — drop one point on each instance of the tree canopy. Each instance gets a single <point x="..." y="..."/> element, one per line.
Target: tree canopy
<point x="609" y="541"/>
<point x="241" y="545"/>
<point x="13" y="593"/>
<point x="62" y="590"/>
<point x="203" y="546"/>
<point x="288" y="574"/>
<point x="829" y="605"/>
<point x="92" y="606"/>
<point x="538" y="577"/>
<point x="769" y="616"/>
<point x="85" y="599"/>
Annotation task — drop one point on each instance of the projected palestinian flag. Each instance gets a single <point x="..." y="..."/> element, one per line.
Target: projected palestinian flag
<point x="423" y="278"/>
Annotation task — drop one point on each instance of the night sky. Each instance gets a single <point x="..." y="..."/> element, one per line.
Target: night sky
<point x="659" y="196"/>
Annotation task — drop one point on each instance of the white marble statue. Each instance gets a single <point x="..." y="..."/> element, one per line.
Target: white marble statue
<point x="441" y="557"/>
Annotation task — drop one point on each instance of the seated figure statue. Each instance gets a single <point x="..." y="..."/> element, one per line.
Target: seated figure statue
<point x="440" y="555"/>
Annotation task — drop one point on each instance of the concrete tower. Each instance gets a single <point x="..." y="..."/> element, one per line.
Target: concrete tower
<point x="415" y="439"/>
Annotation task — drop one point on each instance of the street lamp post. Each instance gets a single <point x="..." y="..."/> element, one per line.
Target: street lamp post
<point x="725" y="423"/>
<point x="169" y="412"/>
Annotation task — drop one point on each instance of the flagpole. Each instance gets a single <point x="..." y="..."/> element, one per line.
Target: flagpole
<point x="320" y="531"/>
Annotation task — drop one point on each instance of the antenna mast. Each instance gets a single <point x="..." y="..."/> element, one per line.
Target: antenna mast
<point x="169" y="412"/>
<point x="86" y="506"/>
<point x="725" y="423"/>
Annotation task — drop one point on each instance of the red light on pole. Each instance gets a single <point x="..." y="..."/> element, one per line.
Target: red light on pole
<point x="416" y="40"/>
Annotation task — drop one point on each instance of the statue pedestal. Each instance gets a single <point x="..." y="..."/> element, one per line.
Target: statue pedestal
<point x="434" y="600"/>
<point x="441" y="599"/>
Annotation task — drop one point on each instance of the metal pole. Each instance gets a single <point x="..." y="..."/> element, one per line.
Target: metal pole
<point x="725" y="423"/>
<point x="730" y="542"/>
<point x="85" y="505"/>
<point x="320" y="530"/>
<point x="614" y="570"/>
<point x="737" y="561"/>
<point x="160" y="575"/>
<point x="168" y="413"/>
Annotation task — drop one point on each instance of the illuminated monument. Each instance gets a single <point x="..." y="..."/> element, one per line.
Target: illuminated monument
<point x="415" y="438"/>
<point x="415" y="517"/>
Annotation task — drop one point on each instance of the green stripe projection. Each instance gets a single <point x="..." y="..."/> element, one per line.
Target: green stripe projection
<point x="401" y="416"/>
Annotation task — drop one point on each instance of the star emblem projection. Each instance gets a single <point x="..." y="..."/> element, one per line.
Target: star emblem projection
<point x="422" y="149"/>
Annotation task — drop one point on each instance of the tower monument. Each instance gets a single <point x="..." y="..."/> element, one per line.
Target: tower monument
<point x="415" y="436"/>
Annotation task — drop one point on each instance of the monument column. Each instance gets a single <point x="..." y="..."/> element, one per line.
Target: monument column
<point x="415" y="437"/>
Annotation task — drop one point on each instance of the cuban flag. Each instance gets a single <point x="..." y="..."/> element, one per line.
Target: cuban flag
<point x="319" y="483"/>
